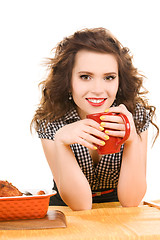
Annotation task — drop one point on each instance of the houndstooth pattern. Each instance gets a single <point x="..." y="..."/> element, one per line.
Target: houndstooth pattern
<point x="106" y="174"/>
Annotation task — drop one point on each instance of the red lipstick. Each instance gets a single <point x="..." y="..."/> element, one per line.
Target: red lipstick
<point x="96" y="102"/>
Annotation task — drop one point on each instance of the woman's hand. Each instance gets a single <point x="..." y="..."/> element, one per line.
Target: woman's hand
<point x="86" y="132"/>
<point x="114" y="124"/>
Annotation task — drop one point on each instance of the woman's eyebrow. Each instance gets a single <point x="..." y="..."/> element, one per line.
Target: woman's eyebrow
<point x="110" y="73"/>
<point x="107" y="73"/>
<point x="86" y="72"/>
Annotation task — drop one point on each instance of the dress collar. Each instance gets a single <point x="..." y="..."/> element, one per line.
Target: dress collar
<point x="72" y="115"/>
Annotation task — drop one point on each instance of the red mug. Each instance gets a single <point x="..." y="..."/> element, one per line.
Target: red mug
<point x="113" y="144"/>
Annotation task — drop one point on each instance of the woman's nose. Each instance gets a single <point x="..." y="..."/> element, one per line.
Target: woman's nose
<point x="97" y="86"/>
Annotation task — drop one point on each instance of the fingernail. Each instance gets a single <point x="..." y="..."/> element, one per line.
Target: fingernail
<point x="106" y="131"/>
<point x="103" y="124"/>
<point x="94" y="147"/>
<point x="107" y="110"/>
<point x="101" y="128"/>
<point x="106" y="137"/>
<point x="102" y="117"/>
<point x="102" y="143"/>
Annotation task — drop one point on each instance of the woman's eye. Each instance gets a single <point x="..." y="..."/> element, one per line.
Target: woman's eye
<point x="85" y="77"/>
<point x="110" y="77"/>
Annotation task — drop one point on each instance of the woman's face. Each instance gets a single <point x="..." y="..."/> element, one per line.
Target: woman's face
<point x="94" y="82"/>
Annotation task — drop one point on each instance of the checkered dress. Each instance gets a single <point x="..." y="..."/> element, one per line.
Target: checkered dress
<point x="105" y="175"/>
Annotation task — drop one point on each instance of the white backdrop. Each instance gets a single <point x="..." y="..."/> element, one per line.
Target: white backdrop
<point x="29" y="30"/>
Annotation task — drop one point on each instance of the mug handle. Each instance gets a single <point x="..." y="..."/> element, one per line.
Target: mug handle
<point x="127" y="129"/>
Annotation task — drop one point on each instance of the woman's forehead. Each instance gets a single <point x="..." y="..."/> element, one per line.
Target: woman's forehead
<point x="89" y="61"/>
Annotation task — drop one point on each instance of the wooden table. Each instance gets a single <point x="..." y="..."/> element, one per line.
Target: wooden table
<point x="104" y="221"/>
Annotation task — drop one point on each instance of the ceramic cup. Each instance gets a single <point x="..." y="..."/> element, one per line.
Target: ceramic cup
<point x="113" y="144"/>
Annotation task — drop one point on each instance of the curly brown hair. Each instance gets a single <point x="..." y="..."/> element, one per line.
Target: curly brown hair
<point x="55" y="89"/>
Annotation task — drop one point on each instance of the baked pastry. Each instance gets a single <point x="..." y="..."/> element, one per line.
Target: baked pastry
<point x="8" y="190"/>
<point x="41" y="192"/>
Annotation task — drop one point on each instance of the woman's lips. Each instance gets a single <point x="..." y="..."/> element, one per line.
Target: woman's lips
<point x="96" y="102"/>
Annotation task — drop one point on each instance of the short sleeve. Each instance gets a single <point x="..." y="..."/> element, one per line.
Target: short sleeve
<point x="142" y="117"/>
<point x="48" y="130"/>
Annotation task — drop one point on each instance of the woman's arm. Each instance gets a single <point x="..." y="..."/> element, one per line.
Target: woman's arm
<point x="70" y="180"/>
<point x="132" y="180"/>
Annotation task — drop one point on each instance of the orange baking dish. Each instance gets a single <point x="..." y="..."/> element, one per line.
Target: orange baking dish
<point x="24" y="207"/>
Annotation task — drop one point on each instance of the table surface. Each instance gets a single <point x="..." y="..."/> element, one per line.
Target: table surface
<point x="104" y="221"/>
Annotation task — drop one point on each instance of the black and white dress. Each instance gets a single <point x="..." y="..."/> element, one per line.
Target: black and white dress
<point x="106" y="174"/>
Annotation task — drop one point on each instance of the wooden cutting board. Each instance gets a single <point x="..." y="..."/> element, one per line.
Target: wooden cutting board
<point x="53" y="219"/>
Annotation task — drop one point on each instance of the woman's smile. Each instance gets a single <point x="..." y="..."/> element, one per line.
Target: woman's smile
<point x="96" y="102"/>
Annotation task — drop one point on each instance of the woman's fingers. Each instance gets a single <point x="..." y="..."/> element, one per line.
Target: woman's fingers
<point x="94" y="139"/>
<point x="86" y="144"/>
<point x="111" y="118"/>
<point x="114" y="126"/>
<point x="116" y="133"/>
<point x="92" y="135"/>
<point x="95" y="132"/>
<point x="121" y="109"/>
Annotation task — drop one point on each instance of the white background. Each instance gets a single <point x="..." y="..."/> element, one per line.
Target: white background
<point x="29" y="30"/>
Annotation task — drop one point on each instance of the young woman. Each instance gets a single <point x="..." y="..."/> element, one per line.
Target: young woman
<point x="92" y="72"/>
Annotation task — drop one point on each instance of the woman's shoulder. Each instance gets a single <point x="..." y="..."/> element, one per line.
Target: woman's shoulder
<point x="48" y="128"/>
<point x="142" y="117"/>
<point x="141" y="112"/>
